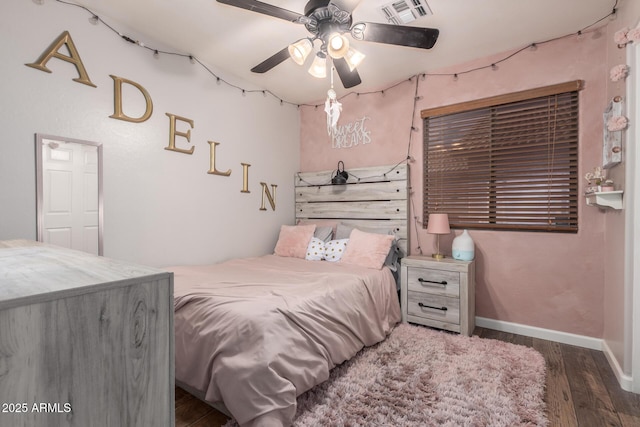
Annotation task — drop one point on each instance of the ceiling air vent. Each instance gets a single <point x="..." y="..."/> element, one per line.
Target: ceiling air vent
<point x="405" y="11"/>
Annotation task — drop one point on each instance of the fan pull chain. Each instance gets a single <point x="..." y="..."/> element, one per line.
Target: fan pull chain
<point x="332" y="107"/>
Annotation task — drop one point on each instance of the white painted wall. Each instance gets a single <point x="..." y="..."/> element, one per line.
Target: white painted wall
<point x="632" y="236"/>
<point x="161" y="207"/>
<point x="621" y="338"/>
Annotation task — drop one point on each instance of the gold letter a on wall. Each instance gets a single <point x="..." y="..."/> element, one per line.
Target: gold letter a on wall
<point x="74" y="58"/>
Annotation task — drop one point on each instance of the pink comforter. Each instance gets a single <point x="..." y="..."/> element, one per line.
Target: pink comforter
<point x="255" y="333"/>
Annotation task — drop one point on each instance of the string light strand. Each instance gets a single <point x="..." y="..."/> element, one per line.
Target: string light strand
<point x="95" y="19"/>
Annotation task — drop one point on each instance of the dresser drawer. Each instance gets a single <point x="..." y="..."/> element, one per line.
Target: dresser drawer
<point x="439" y="282"/>
<point x="434" y="307"/>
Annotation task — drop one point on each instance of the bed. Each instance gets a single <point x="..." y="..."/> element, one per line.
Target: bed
<point x="253" y="334"/>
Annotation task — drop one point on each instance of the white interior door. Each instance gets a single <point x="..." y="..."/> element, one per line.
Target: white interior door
<point x="70" y="199"/>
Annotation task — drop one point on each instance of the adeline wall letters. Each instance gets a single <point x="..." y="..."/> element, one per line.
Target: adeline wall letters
<point x="53" y="51"/>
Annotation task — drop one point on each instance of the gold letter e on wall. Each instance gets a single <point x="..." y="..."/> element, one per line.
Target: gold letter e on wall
<point x="74" y="58"/>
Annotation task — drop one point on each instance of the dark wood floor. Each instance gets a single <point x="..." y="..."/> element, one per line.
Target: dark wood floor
<point x="581" y="389"/>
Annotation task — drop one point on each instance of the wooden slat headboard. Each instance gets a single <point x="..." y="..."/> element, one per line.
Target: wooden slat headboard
<point x="374" y="198"/>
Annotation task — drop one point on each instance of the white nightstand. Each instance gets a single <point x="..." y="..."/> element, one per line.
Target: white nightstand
<point x="438" y="293"/>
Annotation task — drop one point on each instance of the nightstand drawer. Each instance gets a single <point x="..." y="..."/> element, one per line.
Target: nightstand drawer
<point x="434" y="307"/>
<point x="440" y="282"/>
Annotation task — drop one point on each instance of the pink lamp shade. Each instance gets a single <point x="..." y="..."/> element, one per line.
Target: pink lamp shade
<point x="438" y="224"/>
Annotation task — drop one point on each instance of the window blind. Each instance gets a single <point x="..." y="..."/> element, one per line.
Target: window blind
<point x="505" y="163"/>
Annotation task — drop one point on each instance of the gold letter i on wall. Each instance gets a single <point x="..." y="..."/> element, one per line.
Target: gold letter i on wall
<point x="73" y="58"/>
<point x="270" y="197"/>
<point x="245" y="178"/>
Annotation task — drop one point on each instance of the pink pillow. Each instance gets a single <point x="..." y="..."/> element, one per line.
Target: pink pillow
<point x="294" y="240"/>
<point x="367" y="249"/>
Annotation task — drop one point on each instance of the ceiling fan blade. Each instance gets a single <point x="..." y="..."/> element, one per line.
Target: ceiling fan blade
<point x="272" y="61"/>
<point x="346" y="5"/>
<point x="349" y="78"/>
<point x="264" y="8"/>
<point x="422" y="38"/>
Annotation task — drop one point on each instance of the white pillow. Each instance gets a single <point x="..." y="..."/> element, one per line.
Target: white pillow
<point x="331" y="251"/>
<point x="334" y="249"/>
<point x="315" y="250"/>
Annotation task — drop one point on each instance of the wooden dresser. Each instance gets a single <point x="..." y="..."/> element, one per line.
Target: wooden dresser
<point x="84" y="340"/>
<point x="438" y="293"/>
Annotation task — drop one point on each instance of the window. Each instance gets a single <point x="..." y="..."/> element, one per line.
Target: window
<point x="508" y="162"/>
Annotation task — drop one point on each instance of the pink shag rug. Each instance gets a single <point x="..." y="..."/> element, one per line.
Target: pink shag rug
<point x="422" y="377"/>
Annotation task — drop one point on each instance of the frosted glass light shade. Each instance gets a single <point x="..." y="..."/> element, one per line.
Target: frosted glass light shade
<point x="353" y="58"/>
<point x="337" y="46"/>
<point x="438" y="224"/>
<point x="300" y="50"/>
<point x="319" y="67"/>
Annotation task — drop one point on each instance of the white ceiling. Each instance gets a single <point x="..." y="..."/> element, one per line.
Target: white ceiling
<point x="231" y="41"/>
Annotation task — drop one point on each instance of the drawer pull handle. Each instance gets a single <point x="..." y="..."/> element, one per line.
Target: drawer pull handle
<point x="423" y="281"/>
<point x="421" y="305"/>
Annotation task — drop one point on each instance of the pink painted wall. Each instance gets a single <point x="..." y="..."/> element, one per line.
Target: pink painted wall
<point x="552" y="281"/>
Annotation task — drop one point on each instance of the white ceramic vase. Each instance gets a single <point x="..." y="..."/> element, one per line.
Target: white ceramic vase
<point x="463" y="247"/>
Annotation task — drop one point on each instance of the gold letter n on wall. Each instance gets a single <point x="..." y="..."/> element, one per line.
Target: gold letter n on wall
<point x="269" y="196"/>
<point x="73" y="58"/>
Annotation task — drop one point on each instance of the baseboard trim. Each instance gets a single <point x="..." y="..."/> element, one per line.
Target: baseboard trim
<point x="625" y="381"/>
<point x="546" y="334"/>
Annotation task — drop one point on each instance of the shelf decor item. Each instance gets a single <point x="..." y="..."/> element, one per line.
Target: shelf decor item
<point x="463" y="248"/>
<point x="595" y="179"/>
<point x="607" y="185"/>
<point x="619" y="72"/>
<point x="614" y="124"/>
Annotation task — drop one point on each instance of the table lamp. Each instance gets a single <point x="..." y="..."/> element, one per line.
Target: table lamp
<point x="438" y="224"/>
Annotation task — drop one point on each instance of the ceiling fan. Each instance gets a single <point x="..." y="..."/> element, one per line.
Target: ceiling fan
<point x="328" y="21"/>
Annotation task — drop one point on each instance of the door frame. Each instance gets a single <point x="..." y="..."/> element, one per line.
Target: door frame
<point x="632" y="218"/>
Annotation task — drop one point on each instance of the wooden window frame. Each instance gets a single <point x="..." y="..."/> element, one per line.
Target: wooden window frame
<point x="495" y="203"/>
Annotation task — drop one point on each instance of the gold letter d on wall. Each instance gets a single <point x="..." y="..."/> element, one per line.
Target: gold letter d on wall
<point x="117" y="101"/>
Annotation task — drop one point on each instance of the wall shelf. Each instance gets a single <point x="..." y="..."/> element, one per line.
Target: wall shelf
<point x="605" y="199"/>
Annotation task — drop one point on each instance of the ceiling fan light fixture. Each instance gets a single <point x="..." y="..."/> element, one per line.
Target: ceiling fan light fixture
<point x="337" y="45"/>
<point x="353" y="58"/>
<point x="328" y="22"/>
<point x="300" y="50"/>
<point x="319" y="67"/>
